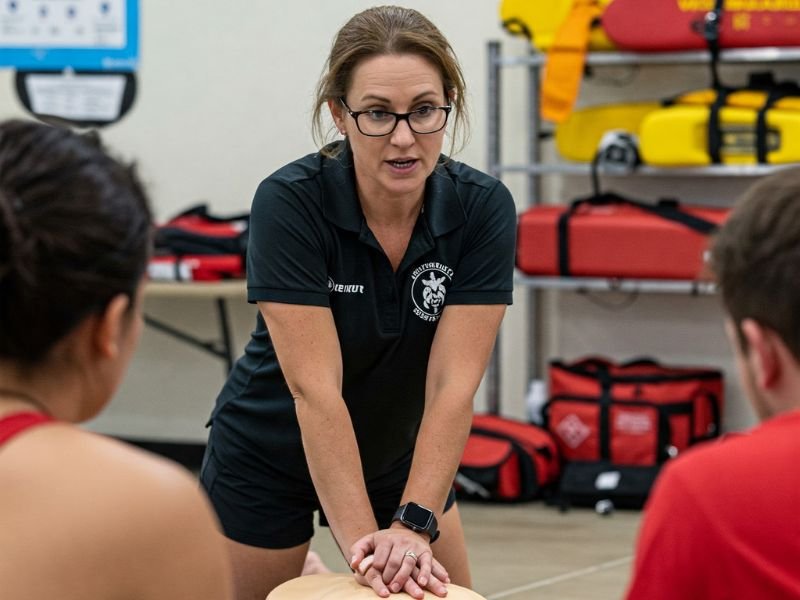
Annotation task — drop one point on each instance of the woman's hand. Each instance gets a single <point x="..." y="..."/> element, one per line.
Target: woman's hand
<point x="397" y="559"/>
<point x="369" y="576"/>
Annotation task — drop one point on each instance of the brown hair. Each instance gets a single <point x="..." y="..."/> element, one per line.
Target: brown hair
<point x="390" y="30"/>
<point x="756" y="258"/>
<point x="75" y="231"/>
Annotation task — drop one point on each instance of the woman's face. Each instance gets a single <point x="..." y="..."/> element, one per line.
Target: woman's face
<point x="396" y="164"/>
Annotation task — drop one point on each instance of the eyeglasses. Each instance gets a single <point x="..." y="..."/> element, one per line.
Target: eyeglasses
<point x="377" y="123"/>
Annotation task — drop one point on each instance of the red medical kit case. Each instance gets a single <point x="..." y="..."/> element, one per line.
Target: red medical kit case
<point x="611" y="236"/>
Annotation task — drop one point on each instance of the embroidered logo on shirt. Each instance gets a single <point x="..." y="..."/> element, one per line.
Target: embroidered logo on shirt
<point x="344" y="288"/>
<point x="428" y="289"/>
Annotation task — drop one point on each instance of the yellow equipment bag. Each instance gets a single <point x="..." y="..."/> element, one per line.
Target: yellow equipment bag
<point x="579" y="136"/>
<point x="679" y="136"/>
<point x="742" y="125"/>
<point x="539" y="20"/>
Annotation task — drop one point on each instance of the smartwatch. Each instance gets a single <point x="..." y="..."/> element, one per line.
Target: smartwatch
<point x="418" y="518"/>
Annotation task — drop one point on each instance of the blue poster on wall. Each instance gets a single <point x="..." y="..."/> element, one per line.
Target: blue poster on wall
<point x="54" y="35"/>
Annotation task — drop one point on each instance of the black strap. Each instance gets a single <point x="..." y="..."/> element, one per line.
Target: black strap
<point x="604" y="377"/>
<point x="640" y="361"/>
<point x="563" y="242"/>
<point x="664" y="435"/>
<point x="666" y="209"/>
<point x="781" y="90"/>
<point x="715" y="125"/>
<point x="710" y="28"/>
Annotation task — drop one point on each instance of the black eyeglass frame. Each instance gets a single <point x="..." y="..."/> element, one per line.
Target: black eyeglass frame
<point x="397" y="118"/>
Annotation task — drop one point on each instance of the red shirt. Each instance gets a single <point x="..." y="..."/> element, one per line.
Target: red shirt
<point x="723" y="520"/>
<point x="15" y="423"/>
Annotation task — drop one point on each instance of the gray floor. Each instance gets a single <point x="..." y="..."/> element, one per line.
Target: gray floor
<point x="533" y="551"/>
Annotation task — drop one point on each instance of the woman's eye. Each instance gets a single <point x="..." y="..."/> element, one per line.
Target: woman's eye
<point x="378" y="115"/>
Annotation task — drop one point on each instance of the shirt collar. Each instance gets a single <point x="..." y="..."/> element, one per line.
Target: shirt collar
<point x="442" y="209"/>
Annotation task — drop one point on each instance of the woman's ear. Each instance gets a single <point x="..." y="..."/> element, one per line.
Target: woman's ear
<point x="338" y="115"/>
<point x="111" y="327"/>
<point x="762" y="353"/>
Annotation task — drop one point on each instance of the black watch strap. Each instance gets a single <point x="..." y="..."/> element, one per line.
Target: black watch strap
<point x="418" y="518"/>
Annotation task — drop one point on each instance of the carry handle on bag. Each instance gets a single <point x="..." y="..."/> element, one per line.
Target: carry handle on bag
<point x="666" y="209"/>
<point x="196" y="231"/>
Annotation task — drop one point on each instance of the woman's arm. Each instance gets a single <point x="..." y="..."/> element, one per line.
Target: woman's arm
<point x="308" y="351"/>
<point x="459" y="355"/>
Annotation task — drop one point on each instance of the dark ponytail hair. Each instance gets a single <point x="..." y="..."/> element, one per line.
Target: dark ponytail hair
<point x="75" y="231"/>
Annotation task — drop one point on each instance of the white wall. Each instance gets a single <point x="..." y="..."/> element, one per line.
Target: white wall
<point x="224" y="98"/>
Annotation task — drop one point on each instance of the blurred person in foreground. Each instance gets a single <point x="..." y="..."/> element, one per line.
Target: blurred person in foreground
<point x="81" y="515"/>
<point x="722" y="520"/>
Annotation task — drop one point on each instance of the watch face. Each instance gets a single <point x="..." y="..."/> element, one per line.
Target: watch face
<point x="417" y="515"/>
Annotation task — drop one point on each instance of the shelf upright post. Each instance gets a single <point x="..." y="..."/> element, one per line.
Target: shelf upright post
<point x="493" y="157"/>
<point x="534" y="128"/>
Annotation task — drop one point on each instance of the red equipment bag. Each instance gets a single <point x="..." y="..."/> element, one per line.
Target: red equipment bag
<point x="616" y="425"/>
<point x="635" y="413"/>
<point x="608" y="235"/>
<point x="669" y="25"/>
<point x="198" y="246"/>
<point x="506" y="460"/>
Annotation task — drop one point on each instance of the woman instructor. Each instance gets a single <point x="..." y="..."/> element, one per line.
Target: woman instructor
<point x="382" y="270"/>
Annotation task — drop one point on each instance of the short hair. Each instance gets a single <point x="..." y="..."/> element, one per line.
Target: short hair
<point x="75" y="231"/>
<point x="756" y="257"/>
<point x="386" y="30"/>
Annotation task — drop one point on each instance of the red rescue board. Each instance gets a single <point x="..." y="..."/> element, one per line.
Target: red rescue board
<point x="674" y="25"/>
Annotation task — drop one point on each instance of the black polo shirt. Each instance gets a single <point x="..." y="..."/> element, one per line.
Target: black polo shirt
<point x="310" y="244"/>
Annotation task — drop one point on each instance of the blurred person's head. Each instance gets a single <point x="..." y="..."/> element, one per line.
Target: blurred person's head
<point x="756" y="262"/>
<point x="75" y="233"/>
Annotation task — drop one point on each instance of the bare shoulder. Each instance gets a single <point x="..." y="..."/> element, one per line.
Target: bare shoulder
<point x="123" y="513"/>
<point x="154" y="493"/>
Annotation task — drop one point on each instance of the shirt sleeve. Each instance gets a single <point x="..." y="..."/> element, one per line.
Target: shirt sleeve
<point x="286" y="248"/>
<point x="485" y="272"/>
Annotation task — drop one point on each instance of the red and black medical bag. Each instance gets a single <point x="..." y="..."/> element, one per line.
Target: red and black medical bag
<point x="608" y="235"/>
<point x="506" y="460"/>
<point x="198" y="246"/>
<point x="617" y="424"/>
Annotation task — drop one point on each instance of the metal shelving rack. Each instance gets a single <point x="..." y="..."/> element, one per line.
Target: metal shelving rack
<point x="535" y="170"/>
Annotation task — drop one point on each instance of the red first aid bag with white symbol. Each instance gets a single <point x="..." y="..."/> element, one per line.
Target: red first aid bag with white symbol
<point x="635" y="413"/>
<point x="617" y="424"/>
